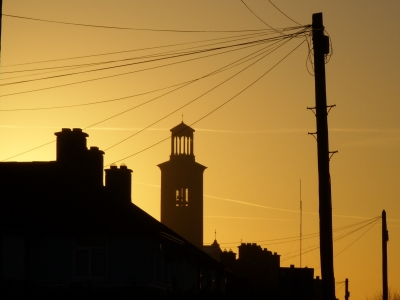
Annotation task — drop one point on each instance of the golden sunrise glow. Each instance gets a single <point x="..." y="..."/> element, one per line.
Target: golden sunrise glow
<point x="256" y="147"/>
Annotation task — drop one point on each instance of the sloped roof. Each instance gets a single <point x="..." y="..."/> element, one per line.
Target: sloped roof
<point x="182" y="130"/>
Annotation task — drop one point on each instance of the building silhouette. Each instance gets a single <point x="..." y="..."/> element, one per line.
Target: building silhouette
<point x="62" y="230"/>
<point x="259" y="274"/>
<point x="296" y="283"/>
<point x="214" y="250"/>
<point x="182" y="187"/>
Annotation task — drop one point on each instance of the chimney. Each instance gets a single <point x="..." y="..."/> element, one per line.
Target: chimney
<point x="94" y="166"/>
<point x="119" y="183"/>
<point x="71" y="145"/>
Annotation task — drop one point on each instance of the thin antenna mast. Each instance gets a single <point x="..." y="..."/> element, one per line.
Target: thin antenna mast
<point x="301" y="223"/>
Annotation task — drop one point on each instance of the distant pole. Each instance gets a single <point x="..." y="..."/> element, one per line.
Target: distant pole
<point x="346" y="293"/>
<point x="321" y="47"/>
<point x="385" y="239"/>
<point x="301" y="223"/>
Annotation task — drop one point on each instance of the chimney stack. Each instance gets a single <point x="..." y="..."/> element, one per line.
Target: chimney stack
<point x="119" y="183"/>
<point x="71" y="145"/>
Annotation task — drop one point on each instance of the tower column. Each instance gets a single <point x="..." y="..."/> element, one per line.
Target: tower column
<point x="182" y="188"/>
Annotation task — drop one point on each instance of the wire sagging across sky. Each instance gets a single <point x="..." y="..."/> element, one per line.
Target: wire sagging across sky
<point x="305" y="30"/>
<point x="218" y="107"/>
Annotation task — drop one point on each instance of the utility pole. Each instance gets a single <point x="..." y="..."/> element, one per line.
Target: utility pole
<point x="321" y="48"/>
<point x="301" y="224"/>
<point x="346" y="293"/>
<point x="385" y="239"/>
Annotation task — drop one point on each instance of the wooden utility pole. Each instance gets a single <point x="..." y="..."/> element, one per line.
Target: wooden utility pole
<point x="385" y="239"/>
<point x="346" y="293"/>
<point x="321" y="48"/>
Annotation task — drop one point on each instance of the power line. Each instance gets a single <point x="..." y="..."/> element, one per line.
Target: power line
<point x="194" y="99"/>
<point x="87" y="126"/>
<point x="130" y="28"/>
<point x="313" y="235"/>
<point x="93" y="103"/>
<point x="48" y="143"/>
<point x="283" y="13"/>
<point x="315" y="247"/>
<point x="218" y="107"/>
<point x="188" y="103"/>
<point x="192" y="123"/>
<point x="357" y="238"/>
<point x="232" y="39"/>
<point x="147" y="48"/>
<point x="310" y="235"/>
<point x="111" y="76"/>
<point x="70" y="67"/>
<point x="259" y="17"/>
<point x="226" y="67"/>
<point x="142" y="62"/>
<point x="134" y="63"/>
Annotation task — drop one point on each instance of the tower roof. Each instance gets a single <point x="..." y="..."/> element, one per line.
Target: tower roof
<point x="182" y="130"/>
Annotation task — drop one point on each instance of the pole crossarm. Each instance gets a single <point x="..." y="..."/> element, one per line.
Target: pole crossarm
<point x="331" y="153"/>
<point x="314" y="134"/>
<point x="330" y="107"/>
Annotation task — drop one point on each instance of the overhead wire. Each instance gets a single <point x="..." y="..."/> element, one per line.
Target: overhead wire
<point x="29" y="150"/>
<point x="372" y="221"/>
<point x="336" y="237"/>
<point x="309" y="56"/>
<point x="357" y="238"/>
<point x="113" y="100"/>
<point x="124" y="65"/>
<point x="339" y="237"/>
<point x="42" y="145"/>
<point x="70" y="67"/>
<point x="135" y="95"/>
<point x="259" y="17"/>
<point x="112" y="76"/>
<point x="93" y="103"/>
<point x="315" y="247"/>
<point x="109" y="76"/>
<point x="217" y="108"/>
<point x="188" y="103"/>
<point x="339" y="287"/>
<point x="310" y="235"/>
<point x="283" y="13"/>
<point x="141" y="62"/>
<point x="129" y="28"/>
<point x="193" y="123"/>
<point x="237" y="38"/>
<point x="141" y="49"/>
<point x="97" y="102"/>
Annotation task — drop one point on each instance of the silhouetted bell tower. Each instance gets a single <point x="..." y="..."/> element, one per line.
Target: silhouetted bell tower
<point x="182" y="187"/>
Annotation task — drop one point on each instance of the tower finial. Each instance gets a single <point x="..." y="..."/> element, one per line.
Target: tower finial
<point x="215" y="234"/>
<point x="182" y="118"/>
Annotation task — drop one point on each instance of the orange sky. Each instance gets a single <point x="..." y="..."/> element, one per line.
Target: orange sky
<point x="256" y="147"/>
